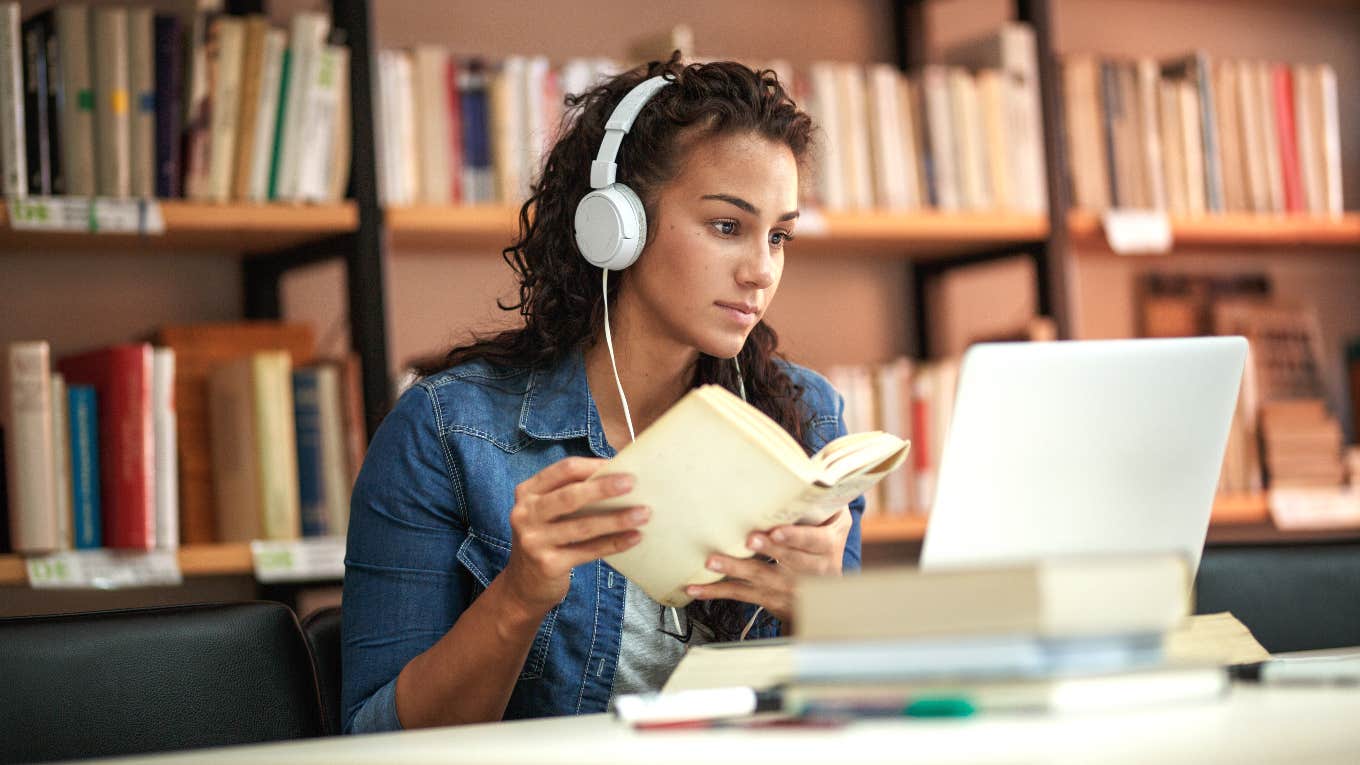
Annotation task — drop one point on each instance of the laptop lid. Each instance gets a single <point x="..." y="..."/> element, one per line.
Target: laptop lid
<point x="1084" y="448"/>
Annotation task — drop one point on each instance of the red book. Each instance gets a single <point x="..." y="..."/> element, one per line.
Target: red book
<point x="455" y="132"/>
<point x="121" y="377"/>
<point x="1283" y="82"/>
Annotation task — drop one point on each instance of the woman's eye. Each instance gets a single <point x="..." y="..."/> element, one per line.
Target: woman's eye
<point x="780" y="238"/>
<point x="725" y="227"/>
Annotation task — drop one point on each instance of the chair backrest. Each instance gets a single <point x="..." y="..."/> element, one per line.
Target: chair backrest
<point x="1291" y="597"/>
<point x="148" y="680"/>
<point x="322" y="628"/>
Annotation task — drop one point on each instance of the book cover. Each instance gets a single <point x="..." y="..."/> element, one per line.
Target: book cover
<point x="307" y="38"/>
<point x="13" y="151"/>
<point x="169" y="44"/>
<point x="432" y="124"/>
<point x="56" y="98"/>
<point x="36" y="113"/>
<point x="113" y="147"/>
<point x="167" y="450"/>
<point x="307" y="421"/>
<point x="224" y="61"/>
<point x="254" y="448"/>
<point x="142" y="102"/>
<point x="247" y="122"/>
<point x="61" y="463"/>
<point x="1194" y="69"/>
<point x="266" y="114"/>
<point x="755" y="476"/>
<point x="76" y="112"/>
<point x="122" y="378"/>
<point x="83" y="417"/>
<point x="28" y="449"/>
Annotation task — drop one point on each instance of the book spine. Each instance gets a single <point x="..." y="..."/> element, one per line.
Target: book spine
<point x="113" y="153"/>
<point x="252" y="73"/>
<point x="76" y="115"/>
<point x="142" y="106"/>
<point x="197" y="137"/>
<point x="306" y="40"/>
<point x="477" y="183"/>
<point x="267" y="114"/>
<point x="318" y="125"/>
<point x="1331" y="144"/>
<point x="13" y="152"/>
<point x="281" y="124"/>
<point x="276" y="445"/>
<point x="336" y="481"/>
<point x="56" y="96"/>
<point x="343" y="131"/>
<point x="307" y="419"/>
<point x="225" y="63"/>
<point x="83" y="416"/>
<point x="454" y="99"/>
<point x="164" y="423"/>
<point x="1283" y="84"/>
<point x="61" y="463"/>
<point x="35" y="110"/>
<point x="169" y="105"/>
<point x="1213" y="156"/>
<point x="33" y="521"/>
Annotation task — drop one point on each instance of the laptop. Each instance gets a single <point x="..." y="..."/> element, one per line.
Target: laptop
<point x="1083" y="448"/>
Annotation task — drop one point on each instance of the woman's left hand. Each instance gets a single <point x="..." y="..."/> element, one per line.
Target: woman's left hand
<point x="796" y="549"/>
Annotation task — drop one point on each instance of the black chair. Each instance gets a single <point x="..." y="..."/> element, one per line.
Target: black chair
<point x="149" y="680"/>
<point x="322" y="628"/>
<point x="1292" y="598"/>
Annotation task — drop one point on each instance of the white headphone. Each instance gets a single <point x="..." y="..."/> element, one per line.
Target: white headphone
<point x="611" y="226"/>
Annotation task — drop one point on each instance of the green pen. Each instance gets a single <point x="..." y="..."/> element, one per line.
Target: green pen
<point x="939" y="706"/>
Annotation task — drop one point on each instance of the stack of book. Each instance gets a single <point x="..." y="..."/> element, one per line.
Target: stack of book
<point x="964" y="135"/>
<point x="1302" y="443"/>
<point x="1192" y="136"/>
<point x="120" y="101"/>
<point x="212" y="435"/>
<point x="1050" y="636"/>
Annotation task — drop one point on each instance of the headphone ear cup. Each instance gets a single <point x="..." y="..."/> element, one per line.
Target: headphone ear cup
<point x="611" y="227"/>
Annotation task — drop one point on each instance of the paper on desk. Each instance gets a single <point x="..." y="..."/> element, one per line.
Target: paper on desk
<point x="1216" y="639"/>
<point x="755" y="664"/>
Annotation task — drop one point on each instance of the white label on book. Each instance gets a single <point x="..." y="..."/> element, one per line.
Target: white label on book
<point x="297" y="560"/>
<point x="1295" y="509"/>
<point x="104" y="569"/>
<point x="1138" y="232"/>
<point x="89" y="215"/>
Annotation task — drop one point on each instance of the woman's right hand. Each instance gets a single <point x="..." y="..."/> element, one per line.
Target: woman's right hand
<point x="548" y="545"/>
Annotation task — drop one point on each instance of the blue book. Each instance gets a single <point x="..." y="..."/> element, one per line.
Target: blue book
<point x="83" y="420"/>
<point x="307" y="422"/>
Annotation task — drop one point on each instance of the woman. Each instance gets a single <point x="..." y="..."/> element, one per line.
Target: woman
<point x="469" y="597"/>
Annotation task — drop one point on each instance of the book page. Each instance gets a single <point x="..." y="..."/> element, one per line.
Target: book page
<point x="755" y="664"/>
<point x="1216" y="638"/>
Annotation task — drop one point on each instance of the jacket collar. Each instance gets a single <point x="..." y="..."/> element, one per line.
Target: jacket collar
<point x="558" y="405"/>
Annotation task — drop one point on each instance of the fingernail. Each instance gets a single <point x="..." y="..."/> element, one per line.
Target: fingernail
<point x="715" y="565"/>
<point x="621" y="483"/>
<point x="639" y="514"/>
<point x="694" y="591"/>
<point x="778" y="535"/>
<point x="757" y="543"/>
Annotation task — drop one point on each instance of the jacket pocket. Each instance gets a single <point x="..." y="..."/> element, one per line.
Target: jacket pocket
<point x="485" y="557"/>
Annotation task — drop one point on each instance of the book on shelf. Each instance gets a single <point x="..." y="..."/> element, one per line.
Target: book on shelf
<point x="755" y="476"/>
<point x="103" y="106"/>
<point x="959" y="136"/>
<point x="29" y="451"/>
<point x="122" y="377"/>
<point x="1196" y="135"/>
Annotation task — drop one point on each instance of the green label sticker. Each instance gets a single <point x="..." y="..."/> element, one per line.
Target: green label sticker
<point x="85" y="100"/>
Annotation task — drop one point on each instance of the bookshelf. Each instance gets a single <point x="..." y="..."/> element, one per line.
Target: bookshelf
<point x="194" y="560"/>
<point x="199" y="226"/>
<point x="1236" y="232"/>
<point x="928" y="235"/>
<point x="1230" y="512"/>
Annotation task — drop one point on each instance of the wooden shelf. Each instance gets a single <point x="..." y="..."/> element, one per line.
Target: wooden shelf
<point x="920" y="235"/>
<point x="1238" y="231"/>
<point x="198" y="560"/>
<point x="233" y="228"/>
<point x="1233" y="510"/>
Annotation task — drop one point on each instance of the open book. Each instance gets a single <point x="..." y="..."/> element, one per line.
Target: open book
<point x="713" y="469"/>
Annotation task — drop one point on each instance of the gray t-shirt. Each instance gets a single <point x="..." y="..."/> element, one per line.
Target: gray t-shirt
<point x="648" y="656"/>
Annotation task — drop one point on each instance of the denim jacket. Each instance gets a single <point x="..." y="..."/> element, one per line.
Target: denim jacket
<point x="430" y="528"/>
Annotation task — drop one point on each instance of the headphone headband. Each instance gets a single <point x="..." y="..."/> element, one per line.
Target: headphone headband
<point x="604" y="169"/>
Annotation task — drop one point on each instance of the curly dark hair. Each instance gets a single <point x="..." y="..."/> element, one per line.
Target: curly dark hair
<point x="559" y="294"/>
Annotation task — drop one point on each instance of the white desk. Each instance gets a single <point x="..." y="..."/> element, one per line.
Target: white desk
<point x="1252" y="725"/>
